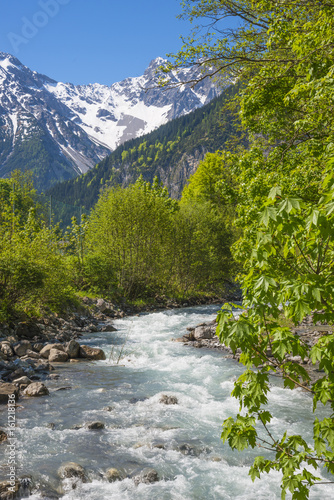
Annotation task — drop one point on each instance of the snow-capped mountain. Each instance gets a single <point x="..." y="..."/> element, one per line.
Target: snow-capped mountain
<point x="60" y="130"/>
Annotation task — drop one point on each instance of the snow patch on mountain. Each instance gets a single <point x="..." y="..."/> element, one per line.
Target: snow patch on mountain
<point x="84" y="123"/>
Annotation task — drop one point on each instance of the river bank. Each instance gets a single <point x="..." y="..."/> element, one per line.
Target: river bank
<point x="204" y="336"/>
<point x="25" y="345"/>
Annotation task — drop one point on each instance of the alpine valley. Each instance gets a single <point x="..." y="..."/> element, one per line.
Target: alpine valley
<point x="60" y="130"/>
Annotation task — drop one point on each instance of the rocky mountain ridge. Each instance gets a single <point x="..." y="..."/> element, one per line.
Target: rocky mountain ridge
<point x="60" y="130"/>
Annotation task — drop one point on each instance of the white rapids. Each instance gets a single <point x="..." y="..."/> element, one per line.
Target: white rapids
<point x="181" y="441"/>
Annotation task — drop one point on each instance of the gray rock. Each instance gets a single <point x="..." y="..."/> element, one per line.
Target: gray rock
<point x="46" y="350"/>
<point x="93" y="426"/>
<point x="72" y="470"/>
<point x="36" y="389"/>
<point x="19" y="372"/>
<point x="57" y="356"/>
<point x="5" y="493"/>
<point x="7" y="390"/>
<point x="3" y="436"/>
<point x="187" y="449"/>
<point x="23" y="381"/>
<point x="147" y="476"/>
<point x="37" y="347"/>
<point x="41" y="365"/>
<point x="22" y="347"/>
<point x="91" y="352"/>
<point x="6" y="349"/>
<point x="72" y="349"/>
<point x="33" y="354"/>
<point x="101" y="305"/>
<point x="168" y="400"/>
<point x="204" y="332"/>
<point x="113" y="475"/>
<point x="27" y="329"/>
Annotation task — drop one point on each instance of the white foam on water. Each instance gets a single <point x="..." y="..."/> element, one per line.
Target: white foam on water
<point x="181" y="441"/>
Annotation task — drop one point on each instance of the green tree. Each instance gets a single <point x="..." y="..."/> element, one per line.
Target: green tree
<point x="127" y="235"/>
<point x="282" y="52"/>
<point x="34" y="275"/>
<point x="291" y="272"/>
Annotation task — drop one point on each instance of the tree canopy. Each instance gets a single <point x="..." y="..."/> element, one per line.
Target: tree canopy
<point x="282" y="52"/>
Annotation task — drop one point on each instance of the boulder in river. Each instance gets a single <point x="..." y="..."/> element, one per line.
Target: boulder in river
<point x="3" y="436"/>
<point x="36" y="389"/>
<point x="9" y="494"/>
<point x="72" y="349"/>
<point x="72" y="469"/>
<point x="91" y="352"/>
<point x="168" y="400"/>
<point x="23" y="381"/>
<point x="204" y="332"/>
<point x="113" y="475"/>
<point x="46" y="349"/>
<point x="147" y="476"/>
<point x="94" y="426"/>
<point x="57" y="356"/>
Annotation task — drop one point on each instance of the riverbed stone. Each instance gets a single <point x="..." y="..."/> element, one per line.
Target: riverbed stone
<point x="9" y="494"/>
<point x="3" y="436"/>
<point x="113" y="475"/>
<point x="94" y="426"/>
<point x="32" y="354"/>
<point x="94" y="353"/>
<point x="41" y="365"/>
<point x="46" y="349"/>
<point x="36" y="389"/>
<point x="23" y="381"/>
<point x="72" y="349"/>
<point x="6" y="349"/>
<point x="72" y="469"/>
<point x="57" y="356"/>
<point x="22" y="347"/>
<point x="6" y="390"/>
<point x="204" y="332"/>
<point x="102" y="305"/>
<point x="19" y="372"/>
<point x="147" y="476"/>
<point x="37" y="347"/>
<point x="168" y="400"/>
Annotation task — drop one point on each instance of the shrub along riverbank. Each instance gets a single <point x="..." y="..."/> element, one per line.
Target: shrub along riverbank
<point x="138" y="246"/>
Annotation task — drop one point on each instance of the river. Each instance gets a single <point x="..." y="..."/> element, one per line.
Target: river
<point x="180" y="441"/>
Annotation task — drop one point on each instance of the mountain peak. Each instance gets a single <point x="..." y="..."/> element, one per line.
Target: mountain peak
<point x="76" y="126"/>
<point x="8" y="59"/>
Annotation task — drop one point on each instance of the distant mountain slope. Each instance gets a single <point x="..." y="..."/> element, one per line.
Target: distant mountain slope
<point x="172" y="152"/>
<point x="133" y="107"/>
<point x="59" y="130"/>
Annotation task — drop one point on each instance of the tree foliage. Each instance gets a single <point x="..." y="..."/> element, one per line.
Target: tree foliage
<point x="283" y="186"/>
<point x="141" y="243"/>
<point x="34" y="275"/>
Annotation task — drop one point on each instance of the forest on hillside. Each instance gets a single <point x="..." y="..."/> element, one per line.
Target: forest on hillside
<point x="161" y="154"/>
<point x="137" y="244"/>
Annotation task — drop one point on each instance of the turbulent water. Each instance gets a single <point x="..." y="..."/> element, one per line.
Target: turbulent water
<point x="181" y="441"/>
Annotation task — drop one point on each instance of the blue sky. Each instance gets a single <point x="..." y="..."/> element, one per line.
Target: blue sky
<point x="86" y="41"/>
